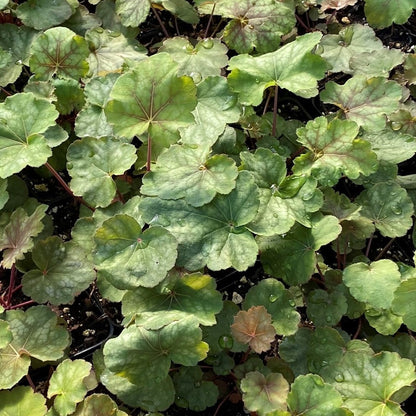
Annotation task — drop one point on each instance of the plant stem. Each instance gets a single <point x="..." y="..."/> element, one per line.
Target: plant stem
<point x="149" y="153"/>
<point x="367" y="251"/>
<point x="357" y="332"/>
<point x="320" y="272"/>
<point x="209" y="21"/>
<point x="276" y="91"/>
<point x="6" y="92"/>
<point x="30" y="381"/>
<point x="300" y="21"/>
<point x="221" y="403"/>
<point x="66" y="187"/>
<point x="269" y="95"/>
<point x="21" y="305"/>
<point x="385" y="249"/>
<point x="11" y="285"/>
<point x="162" y="25"/>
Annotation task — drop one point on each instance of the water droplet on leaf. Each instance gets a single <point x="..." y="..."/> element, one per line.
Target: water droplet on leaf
<point x="208" y="43"/>
<point x="196" y="76"/>
<point x="397" y="209"/>
<point x="318" y="381"/>
<point x="292" y="303"/>
<point x="307" y="196"/>
<point x="396" y="125"/>
<point x="339" y="378"/>
<point x="225" y="342"/>
<point x="273" y="298"/>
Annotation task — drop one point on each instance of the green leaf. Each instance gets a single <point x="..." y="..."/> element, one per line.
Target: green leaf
<point x="152" y="98"/>
<point x="68" y="385"/>
<point x="98" y="405"/>
<point x="110" y="50"/>
<point x="138" y="354"/>
<point x="92" y="163"/>
<point x="403" y="344"/>
<point x="54" y="280"/>
<point x="410" y="68"/>
<point x="91" y="121"/>
<point x="61" y="52"/>
<point x="82" y="20"/>
<point x="326" y="309"/>
<point x="254" y="24"/>
<point x="378" y="63"/>
<point x="334" y="151"/>
<point x="403" y="302"/>
<point x="192" y="390"/>
<point x="391" y="146"/>
<point x="180" y="8"/>
<point x="22" y="401"/>
<point x="16" y="41"/>
<point x="5" y="334"/>
<point x="23" y="119"/>
<point x="69" y="94"/>
<point x="145" y="395"/>
<point x="311" y="396"/>
<point x="17" y="237"/>
<point x="278" y="302"/>
<point x="217" y="106"/>
<point x="282" y="199"/>
<point x="368" y="382"/>
<point x="310" y="351"/>
<point x="292" y="256"/>
<point x="353" y="40"/>
<point x="132" y="12"/>
<point x="383" y="320"/>
<point x="204" y="59"/>
<point x="189" y="173"/>
<point x="43" y="14"/>
<point x="35" y="334"/>
<point x="4" y="195"/>
<point x="190" y="294"/>
<point x="365" y="101"/>
<point x="373" y="283"/>
<point x="389" y="207"/>
<point x="214" y="234"/>
<point x="292" y="67"/>
<point x="264" y="394"/>
<point x="131" y="257"/>
<point x="383" y="14"/>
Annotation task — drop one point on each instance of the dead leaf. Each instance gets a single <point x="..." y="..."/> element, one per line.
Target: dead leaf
<point x="336" y="4"/>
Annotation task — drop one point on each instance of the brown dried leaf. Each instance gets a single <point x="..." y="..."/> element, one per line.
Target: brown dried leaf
<point x="254" y="327"/>
<point x="336" y="4"/>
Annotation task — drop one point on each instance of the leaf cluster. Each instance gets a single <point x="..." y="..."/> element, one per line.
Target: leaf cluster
<point x="267" y="136"/>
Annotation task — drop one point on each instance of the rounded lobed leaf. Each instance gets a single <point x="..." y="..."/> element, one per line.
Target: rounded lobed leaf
<point x="190" y="173"/>
<point x="264" y="394"/>
<point x="23" y="122"/>
<point x="68" y="385"/>
<point x="54" y="279"/>
<point x="92" y="163"/>
<point x="254" y="327"/>
<point x="35" y="334"/>
<point x="152" y="98"/>
<point x="59" y="51"/>
<point x="22" y="401"/>
<point x="131" y="257"/>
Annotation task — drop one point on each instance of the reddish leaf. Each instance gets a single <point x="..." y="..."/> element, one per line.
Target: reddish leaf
<point x="254" y="327"/>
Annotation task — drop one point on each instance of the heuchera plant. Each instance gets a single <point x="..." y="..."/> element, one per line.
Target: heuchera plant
<point x="267" y="138"/>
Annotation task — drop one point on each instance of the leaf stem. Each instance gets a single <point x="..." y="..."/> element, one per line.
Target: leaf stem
<point x="11" y="285"/>
<point x="162" y="25"/>
<point x="269" y="95"/>
<point x="21" y="305"/>
<point x="221" y="403"/>
<point x="385" y="249"/>
<point x="6" y="92"/>
<point x="367" y="251"/>
<point x="357" y="332"/>
<point x="66" y="187"/>
<point x="300" y="21"/>
<point x="209" y="21"/>
<point x="276" y="91"/>
<point x="30" y="381"/>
